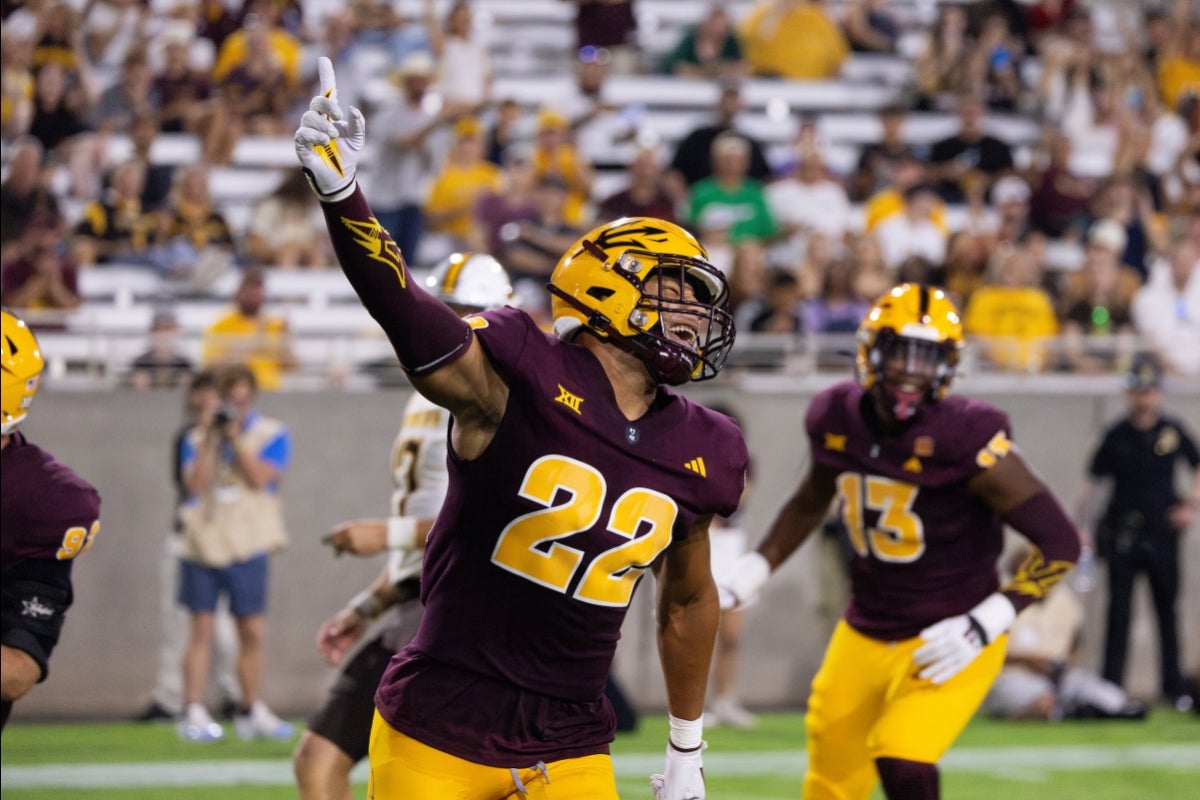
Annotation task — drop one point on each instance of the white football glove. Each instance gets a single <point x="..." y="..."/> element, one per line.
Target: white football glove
<point x="746" y="578"/>
<point x="683" y="778"/>
<point x="953" y="643"/>
<point x="328" y="144"/>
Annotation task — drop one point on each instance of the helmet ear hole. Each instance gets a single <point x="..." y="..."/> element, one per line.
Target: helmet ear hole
<point x="601" y="293"/>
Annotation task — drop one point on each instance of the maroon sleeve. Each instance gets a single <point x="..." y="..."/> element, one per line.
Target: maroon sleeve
<point x="425" y="333"/>
<point x="1056" y="547"/>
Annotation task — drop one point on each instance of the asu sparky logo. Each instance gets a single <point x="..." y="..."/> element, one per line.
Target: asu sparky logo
<point x="370" y="236"/>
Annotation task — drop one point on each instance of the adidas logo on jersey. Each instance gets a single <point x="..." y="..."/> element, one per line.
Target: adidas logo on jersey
<point x="696" y="465"/>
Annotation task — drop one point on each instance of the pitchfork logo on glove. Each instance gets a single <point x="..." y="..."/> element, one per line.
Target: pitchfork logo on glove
<point x="329" y="141"/>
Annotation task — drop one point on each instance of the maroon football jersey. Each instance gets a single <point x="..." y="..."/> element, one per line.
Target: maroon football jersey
<point x="541" y="541"/>
<point x="46" y="510"/>
<point x="923" y="548"/>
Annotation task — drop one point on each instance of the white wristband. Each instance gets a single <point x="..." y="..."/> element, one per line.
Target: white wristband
<point x="748" y="575"/>
<point x="401" y="533"/>
<point x="366" y="604"/>
<point x="686" y="734"/>
<point x="995" y="614"/>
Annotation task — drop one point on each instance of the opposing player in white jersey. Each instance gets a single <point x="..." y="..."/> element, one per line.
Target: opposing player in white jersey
<point x="339" y="731"/>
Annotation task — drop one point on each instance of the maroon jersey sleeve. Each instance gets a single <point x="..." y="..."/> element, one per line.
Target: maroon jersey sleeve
<point x="49" y="512"/>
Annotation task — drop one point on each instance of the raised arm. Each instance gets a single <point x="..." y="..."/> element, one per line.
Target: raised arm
<point x="436" y="348"/>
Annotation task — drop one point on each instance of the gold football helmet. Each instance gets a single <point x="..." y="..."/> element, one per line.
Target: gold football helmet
<point x="470" y="280"/>
<point x="20" y="364"/>
<point x="645" y="285"/>
<point x="915" y="330"/>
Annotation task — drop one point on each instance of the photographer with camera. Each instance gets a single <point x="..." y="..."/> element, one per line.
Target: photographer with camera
<point x="232" y="522"/>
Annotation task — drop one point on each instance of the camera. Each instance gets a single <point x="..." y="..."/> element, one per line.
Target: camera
<point x="224" y="415"/>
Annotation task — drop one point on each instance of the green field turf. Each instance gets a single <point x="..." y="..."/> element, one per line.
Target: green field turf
<point x="1157" y="759"/>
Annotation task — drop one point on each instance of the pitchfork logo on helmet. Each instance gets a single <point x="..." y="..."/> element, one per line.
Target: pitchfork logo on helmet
<point x="20" y="366"/>
<point x="908" y="345"/>
<point x="470" y="280"/>
<point x="646" y="286"/>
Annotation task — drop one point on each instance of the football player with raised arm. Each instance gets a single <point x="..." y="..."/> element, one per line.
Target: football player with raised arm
<point x="573" y="469"/>
<point x="48" y="516"/>
<point x="339" y="731"/>
<point x="924" y="483"/>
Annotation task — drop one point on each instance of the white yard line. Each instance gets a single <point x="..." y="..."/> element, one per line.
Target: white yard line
<point x="1000" y="761"/>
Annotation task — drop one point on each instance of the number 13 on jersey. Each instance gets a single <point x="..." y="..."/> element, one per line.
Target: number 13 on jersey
<point x="609" y="578"/>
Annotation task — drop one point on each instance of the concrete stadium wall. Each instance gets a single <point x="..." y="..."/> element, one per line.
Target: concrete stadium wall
<point x="106" y="662"/>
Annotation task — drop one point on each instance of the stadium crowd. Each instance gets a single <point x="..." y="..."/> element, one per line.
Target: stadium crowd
<point x="1086" y="230"/>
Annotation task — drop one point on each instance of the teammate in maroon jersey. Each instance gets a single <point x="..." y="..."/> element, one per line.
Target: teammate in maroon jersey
<point x="924" y="485"/>
<point x="572" y="471"/>
<point x="48" y="516"/>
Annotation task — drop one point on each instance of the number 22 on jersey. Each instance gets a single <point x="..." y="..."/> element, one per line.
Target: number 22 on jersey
<point x="899" y="535"/>
<point x="609" y="578"/>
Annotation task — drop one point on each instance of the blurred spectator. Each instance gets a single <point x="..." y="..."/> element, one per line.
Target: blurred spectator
<point x="190" y="226"/>
<point x="380" y="23"/>
<point x="877" y="161"/>
<point x="464" y="65"/>
<point x="1120" y="201"/>
<point x="402" y="174"/>
<point x="218" y="20"/>
<point x="115" y="228"/>
<point x="646" y="194"/>
<point x="504" y="131"/>
<point x="555" y="155"/>
<point x="1096" y="301"/>
<point x="838" y="308"/>
<point x="994" y="64"/>
<point x="16" y="85"/>
<point x="709" y="49"/>
<point x="793" y="39"/>
<point x="59" y="122"/>
<point x="258" y="87"/>
<point x="1011" y="313"/>
<point x="1060" y="196"/>
<point x="807" y="200"/>
<point x="1166" y="309"/>
<point x="941" y="66"/>
<point x="24" y="197"/>
<point x="610" y="24"/>
<point x="284" y="230"/>
<point x="132" y="95"/>
<point x="156" y="185"/>
<point x="889" y="201"/>
<point x="1179" y="61"/>
<point x="43" y="276"/>
<point x="958" y="158"/>
<point x="1042" y="677"/>
<point x="249" y="335"/>
<point x="915" y="231"/>
<point x="870" y="26"/>
<point x="1010" y="197"/>
<point x="692" y="160"/>
<point x="262" y="37"/>
<point x="730" y="206"/>
<point x="531" y="247"/>
<point x="162" y="365"/>
<point x="112" y="30"/>
<point x="464" y="178"/>
<point x="595" y="122"/>
<point x="965" y="265"/>
<point x="513" y="202"/>
<point x="59" y="39"/>
<point x="188" y="104"/>
<point x="779" y="309"/>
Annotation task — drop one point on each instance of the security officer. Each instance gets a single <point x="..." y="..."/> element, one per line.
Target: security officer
<point x="1145" y="518"/>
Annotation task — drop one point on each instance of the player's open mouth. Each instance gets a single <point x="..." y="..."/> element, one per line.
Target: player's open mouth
<point x="684" y="334"/>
